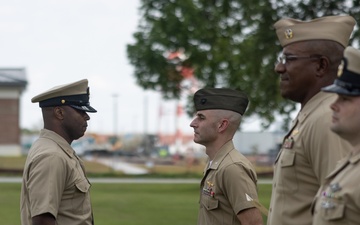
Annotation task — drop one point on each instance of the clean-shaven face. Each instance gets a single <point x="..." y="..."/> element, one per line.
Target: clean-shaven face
<point x="346" y="117"/>
<point x="75" y="122"/>
<point x="205" y="126"/>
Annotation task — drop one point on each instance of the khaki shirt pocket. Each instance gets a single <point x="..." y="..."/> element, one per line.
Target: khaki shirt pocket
<point x="209" y="203"/>
<point x="83" y="186"/>
<point x="81" y="199"/>
<point x="288" y="182"/>
<point x="288" y="158"/>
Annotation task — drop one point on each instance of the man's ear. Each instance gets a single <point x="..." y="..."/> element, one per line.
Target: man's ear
<point x="322" y="66"/>
<point x="59" y="112"/>
<point x="223" y="125"/>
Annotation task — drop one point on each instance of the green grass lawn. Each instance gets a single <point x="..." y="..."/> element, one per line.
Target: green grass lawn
<point x="130" y="204"/>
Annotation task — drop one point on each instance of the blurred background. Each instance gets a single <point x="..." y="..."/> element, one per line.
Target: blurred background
<point x="144" y="60"/>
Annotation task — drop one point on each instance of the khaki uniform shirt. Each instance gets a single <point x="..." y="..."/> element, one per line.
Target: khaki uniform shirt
<point x="309" y="153"/>
<point x="224" y="187"/>
<point x="338" y="200"/>
<point x="54" y="182"/>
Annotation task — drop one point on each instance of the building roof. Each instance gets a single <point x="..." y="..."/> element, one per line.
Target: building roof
<point x="13" y="77"/>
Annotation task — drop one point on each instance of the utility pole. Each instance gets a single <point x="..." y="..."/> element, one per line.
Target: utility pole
<point x="115" y="97"/>
<point x="146" y="141"/>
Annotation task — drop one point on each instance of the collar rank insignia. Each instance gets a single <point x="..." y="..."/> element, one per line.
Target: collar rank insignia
<point x="340" y="68"/>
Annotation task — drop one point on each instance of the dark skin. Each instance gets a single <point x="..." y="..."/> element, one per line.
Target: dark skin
<point x="44" y="219"/>
<point x="301" y="79"/>
<point x="250" y="216"/>
<point x="69" y="123"/>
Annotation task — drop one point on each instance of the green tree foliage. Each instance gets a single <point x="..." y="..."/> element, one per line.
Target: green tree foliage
<point x="229" y="43"/>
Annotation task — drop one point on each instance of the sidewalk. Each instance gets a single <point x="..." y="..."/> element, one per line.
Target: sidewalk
<point x="132" y="180"/>
<point x="119" y="165"/>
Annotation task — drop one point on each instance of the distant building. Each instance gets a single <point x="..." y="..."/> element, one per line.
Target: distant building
<point x="12" y="83"/>
<point x="258" y="142"/>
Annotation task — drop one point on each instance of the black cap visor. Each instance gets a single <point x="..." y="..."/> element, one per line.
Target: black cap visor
<point x="86" y="108"/>
<point x="334" y="88"/>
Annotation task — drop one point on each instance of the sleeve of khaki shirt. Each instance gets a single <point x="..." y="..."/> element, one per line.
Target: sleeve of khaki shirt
<point x="238" y="181"/>
<point x="46" y="184"/>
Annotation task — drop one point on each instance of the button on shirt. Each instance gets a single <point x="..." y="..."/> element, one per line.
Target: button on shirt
<point x="309" y="153"/>
<point x="54" y="182"/>
<point x="224" y="187"/>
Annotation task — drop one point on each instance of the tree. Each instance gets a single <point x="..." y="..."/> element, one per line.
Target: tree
<point x="227" y="43"/>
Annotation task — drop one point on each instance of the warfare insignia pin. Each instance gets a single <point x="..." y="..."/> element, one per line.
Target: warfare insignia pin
<point x="294" y="132"/>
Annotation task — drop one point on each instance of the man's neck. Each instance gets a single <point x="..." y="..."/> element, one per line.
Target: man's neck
<point x="213" y="149"/>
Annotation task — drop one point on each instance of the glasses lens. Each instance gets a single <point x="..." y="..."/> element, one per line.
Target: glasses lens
<point x="281" y="59"/>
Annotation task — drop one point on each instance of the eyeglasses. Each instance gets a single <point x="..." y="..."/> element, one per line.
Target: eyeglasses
<point x="283" y="59"/>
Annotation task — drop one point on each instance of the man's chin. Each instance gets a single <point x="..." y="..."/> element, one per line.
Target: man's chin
<point x="334" y="128"/>
<point x="197" y="141"/>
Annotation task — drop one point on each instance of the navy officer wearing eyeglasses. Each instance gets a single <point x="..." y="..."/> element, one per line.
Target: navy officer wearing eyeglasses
<point x="312" y="51"/>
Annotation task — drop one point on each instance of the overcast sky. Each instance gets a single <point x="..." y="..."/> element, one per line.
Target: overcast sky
<point x="62" y="41"/>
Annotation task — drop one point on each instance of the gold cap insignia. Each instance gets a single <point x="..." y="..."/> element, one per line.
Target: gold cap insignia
<point x="340" y="68"/>
<point x="288" y="34"/>
<point x="63" y="101"/>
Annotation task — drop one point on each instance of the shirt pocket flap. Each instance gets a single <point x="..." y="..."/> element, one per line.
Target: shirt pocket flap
<point x="334" y="213"/>
<point x="288" y="158"/>
<point x="83" y="186"/>
<point x="211" y="203"/>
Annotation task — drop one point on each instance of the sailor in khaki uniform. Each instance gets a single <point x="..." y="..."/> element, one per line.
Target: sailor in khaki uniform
<point x="312" y="50"/>
<point x="55" y="189"/>
<point x="230" y="182"/>
<point x="338" y="199"/>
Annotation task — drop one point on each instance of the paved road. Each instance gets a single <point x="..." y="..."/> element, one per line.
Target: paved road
<point x="131" y="180"/>
<point x="119" y="165"/>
